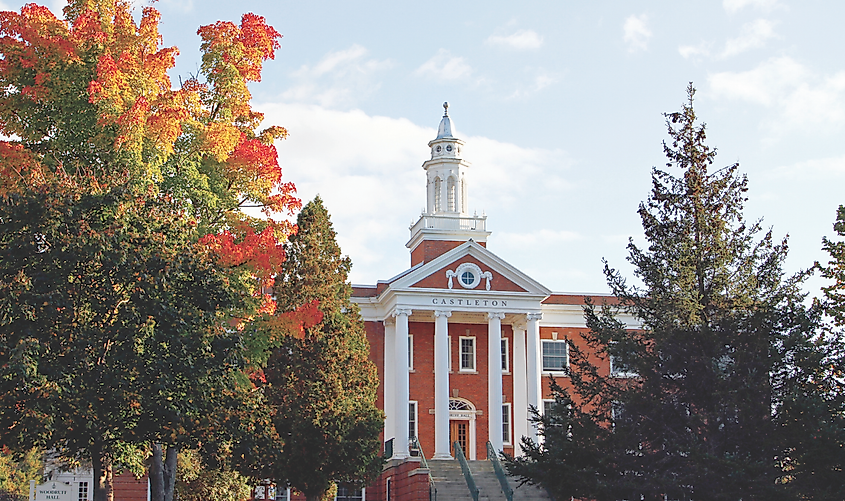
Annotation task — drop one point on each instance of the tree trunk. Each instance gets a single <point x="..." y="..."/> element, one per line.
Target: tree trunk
<point x="157" y="474"/>
<point x="103" y="473"/>
<point x="170" y="472"/>
<point x="163" y="473"/>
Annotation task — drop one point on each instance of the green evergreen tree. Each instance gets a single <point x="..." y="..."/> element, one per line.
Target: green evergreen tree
<point x="719" y="323"/>
<point x="321" y="389"/>
<point x="811" y="416"/>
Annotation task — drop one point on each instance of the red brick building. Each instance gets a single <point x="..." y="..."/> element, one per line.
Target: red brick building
<point x="463" y="341"/>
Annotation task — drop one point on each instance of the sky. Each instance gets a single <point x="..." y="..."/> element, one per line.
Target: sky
<point x="561" y="106"/>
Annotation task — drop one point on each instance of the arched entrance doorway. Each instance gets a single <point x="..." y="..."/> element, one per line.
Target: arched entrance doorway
<point x="462" y="426"/>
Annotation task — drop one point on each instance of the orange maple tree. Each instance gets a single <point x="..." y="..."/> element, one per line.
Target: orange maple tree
<point x="86" y="101"/>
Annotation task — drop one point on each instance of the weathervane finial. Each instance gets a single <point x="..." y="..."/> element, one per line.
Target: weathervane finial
<point x="446" y="109"/>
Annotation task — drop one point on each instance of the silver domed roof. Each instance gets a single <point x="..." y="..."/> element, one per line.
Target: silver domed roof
<point x="445" y="128"/>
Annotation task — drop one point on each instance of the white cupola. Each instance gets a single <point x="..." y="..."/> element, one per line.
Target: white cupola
<point x="446" y="217"/>
<point x="446" y="171"/>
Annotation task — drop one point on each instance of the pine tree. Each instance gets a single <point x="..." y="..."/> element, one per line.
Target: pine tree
<point x="811" y="414"/>
<point x="718" y="319"/>
<point x="322" y="389"/>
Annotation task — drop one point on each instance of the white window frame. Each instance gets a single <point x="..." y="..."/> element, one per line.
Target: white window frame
<point x="449" y="358"/>
<point x="507" y="440"/>
<point x="410" y="353"/>
<point x="461" y="354"/>
<point x="388" y="483"/>
<point x="620" y="374"/>
<point x="546" y="401"/>
<point x="414" y="415"/>
<point x="285" y="490"/>
<point x="83" y="491"/>
<point x="555" y="370"/>
<point x="506" y="356"/>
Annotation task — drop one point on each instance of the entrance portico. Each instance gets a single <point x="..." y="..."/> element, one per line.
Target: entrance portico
<point x="460" y="325"/>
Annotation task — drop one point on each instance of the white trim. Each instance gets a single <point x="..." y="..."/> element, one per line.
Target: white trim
<point x="509" y="439"/>
<point x="461" y="354"/>
<point x="506" y="355"/>
<point x="466" y="415"/>
<point x="449" y="358"/>
<point x="410" y="353"/>
<point x="485" y="258"/>
<point x="416" y="418"/>
<point x="543" y="410"/>
<point x="620" y="374"/>
<point x="553" y="371"/>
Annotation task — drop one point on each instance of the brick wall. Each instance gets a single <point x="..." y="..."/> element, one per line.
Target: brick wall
<point x="129" y="488"/>
<point x="430" y="249"/>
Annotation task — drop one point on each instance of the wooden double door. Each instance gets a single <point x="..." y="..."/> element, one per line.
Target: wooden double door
<point x="459" y="432"/>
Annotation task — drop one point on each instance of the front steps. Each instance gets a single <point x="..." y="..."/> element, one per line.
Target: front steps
<point x="451" y="485"/>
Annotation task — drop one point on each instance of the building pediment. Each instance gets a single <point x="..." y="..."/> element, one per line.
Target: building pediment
<point x="469" y="267"/>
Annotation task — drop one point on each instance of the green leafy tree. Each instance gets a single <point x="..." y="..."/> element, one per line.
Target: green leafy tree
<point x="197" y="481"/>
<point x="719" y="323"/>
<point x="16" y="472"/>
<point x="321" y="390"/>
<point x="82" y="361"/>
<point x="107" y="345"/>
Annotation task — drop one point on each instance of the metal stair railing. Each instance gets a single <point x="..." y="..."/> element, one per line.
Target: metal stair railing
<point x="459" y="453"/>
<point x="431" y="484"/>
<point x="500" y="472"/>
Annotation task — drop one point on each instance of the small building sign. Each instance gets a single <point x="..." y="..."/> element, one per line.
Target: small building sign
<point x="52" y="491"/>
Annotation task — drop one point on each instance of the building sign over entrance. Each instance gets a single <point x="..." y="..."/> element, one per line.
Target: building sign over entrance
<point x="52" y="491"/>
<point x="484" y="303"/>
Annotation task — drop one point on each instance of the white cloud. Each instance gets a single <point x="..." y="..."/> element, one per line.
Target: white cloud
<point x="367" y="170"/>
<point x="540" y="82"/>
<point x="544" y="236"/>
<point x="754" y="36"/>
<point x="799" y="98"/>
<point x="522" y="39"/>
<point x="732" y="6"/>
<point x="817" y="168"/>
<point x="339" y="79"/>
<point x="444" y="66"/>
<point x="687" y="51"/>
<point x="636" y="32"/>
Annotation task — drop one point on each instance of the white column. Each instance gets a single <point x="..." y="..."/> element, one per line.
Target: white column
<point x="520" y="388"/>
<point x="444" y="193"/>
<point x="389" y="378"/>
<point x="441" y="385"/>
<point x="402" y="390"/>
<point x="534" y="367"/>
<point x="494" y="378"/>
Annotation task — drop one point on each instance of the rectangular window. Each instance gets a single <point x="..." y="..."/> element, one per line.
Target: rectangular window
<point x="347" y="494"/>
<point x="555" y="356"/>
<point x="505" y="356"/>
<point x="449" y="358"/>
<point x="506" y="423"/>
<point x="548" y="405"/>
<point x="83" y="491"/>
<point x="618" y="368"/>
<point x="467" y="353"/>
<point x="387" y="485"/>
<point x="412" y="420"/>
<point x="410" y="352"/>
<point x="282" y="493"/>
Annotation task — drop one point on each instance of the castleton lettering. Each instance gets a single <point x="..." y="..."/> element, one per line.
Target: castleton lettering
<point x="468" y="302"/>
